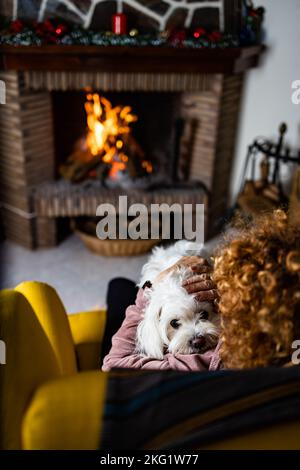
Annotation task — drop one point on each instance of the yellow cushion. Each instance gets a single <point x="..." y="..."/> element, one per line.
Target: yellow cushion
<point x="87" y="327"/>
<point x="87" y="330"/>
<point x="30" y="361"/>
<point x="66" y="413"/>
<point x="53" y="318"/>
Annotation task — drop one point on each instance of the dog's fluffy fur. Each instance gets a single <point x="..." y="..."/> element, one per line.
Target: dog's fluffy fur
<point x="174" y="321"/>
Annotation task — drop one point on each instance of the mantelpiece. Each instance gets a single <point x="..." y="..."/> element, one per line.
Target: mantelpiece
<point x="129" y="59"/>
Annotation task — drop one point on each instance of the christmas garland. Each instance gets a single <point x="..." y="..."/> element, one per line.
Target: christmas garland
<point x="20" y="33"/>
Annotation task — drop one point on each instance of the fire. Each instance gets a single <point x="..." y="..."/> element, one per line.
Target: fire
<point x="109" y="133"/>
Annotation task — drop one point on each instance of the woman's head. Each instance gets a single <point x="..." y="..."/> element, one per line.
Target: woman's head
<point x="258" y="279"/>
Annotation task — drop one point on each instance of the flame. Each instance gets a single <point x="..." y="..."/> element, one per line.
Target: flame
<point x="148" y="166"/>
<point x="106" y="125"/>
<point x="108" y="128"/>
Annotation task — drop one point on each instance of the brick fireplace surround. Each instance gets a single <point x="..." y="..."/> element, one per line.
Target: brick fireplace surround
<point x="210" y="86"/>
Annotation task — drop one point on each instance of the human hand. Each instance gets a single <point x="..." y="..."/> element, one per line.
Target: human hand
<point x="200" y="284"/>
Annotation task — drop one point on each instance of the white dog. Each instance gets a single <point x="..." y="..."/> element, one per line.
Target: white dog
<point x="174" y="321"/>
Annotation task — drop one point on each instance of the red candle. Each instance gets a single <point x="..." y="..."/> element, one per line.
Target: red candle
<point x="119" y="23"/>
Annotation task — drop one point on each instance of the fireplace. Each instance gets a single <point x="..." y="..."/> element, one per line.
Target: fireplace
<point x="178" y="150"/>
<point x="205" y="121"/>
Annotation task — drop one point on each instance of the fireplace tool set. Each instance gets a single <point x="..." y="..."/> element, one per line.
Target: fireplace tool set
<point x="265" y="193"/>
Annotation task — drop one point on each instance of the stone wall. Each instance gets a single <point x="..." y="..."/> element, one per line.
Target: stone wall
<point x="145" y="15"/>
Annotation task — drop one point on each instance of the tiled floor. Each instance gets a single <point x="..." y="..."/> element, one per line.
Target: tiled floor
<point x="79" y="276"/>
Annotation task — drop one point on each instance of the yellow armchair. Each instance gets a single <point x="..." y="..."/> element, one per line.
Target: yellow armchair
<point x="50" y="396"/>
<point x="45" y="403"/>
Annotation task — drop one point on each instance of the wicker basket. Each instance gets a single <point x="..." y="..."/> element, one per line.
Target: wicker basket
<point x="86" y="232"/>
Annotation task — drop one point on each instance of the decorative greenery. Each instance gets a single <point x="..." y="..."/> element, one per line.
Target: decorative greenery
<point x="251" y="30"/>
<point x="20" y="33"/>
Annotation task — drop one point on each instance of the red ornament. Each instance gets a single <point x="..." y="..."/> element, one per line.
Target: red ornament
<point x="61" y="29"/>
<point x="16" y="26"/>
<point x="50" y="32"/>
<point x="48" y="26"/>
<point x="119" y="23"/>
<point x="253" y="13"/>
<point x="177" y="36"/>
<point x="215" y="36"/>
<point x="199" y="32"/>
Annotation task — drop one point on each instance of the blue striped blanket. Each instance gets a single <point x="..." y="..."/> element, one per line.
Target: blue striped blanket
<point x="175" y="410"/>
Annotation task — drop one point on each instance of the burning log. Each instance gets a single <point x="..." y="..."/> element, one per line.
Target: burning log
<point x="77" y="171"/>
<point x="80" y="163"/>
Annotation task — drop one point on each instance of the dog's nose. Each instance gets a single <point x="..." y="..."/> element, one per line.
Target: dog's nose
<point x="198" y="342"/>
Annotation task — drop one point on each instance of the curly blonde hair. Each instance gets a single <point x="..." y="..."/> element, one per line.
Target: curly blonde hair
<point x="258" y="278"/>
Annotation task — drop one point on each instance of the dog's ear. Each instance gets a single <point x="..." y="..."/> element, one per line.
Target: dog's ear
<point x="149" y="341"/>
<point x="147" y="284"/>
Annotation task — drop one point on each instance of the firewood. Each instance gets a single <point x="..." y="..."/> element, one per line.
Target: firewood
<point x="76" y="170"/>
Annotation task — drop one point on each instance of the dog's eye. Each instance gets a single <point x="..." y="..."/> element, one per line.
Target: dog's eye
<point x="175" y="324"/>
<point x="203" y="314"/>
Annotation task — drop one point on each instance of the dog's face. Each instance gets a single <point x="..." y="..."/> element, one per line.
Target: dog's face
<point x="191" y="331"/>
<point x="175" y="322"/>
